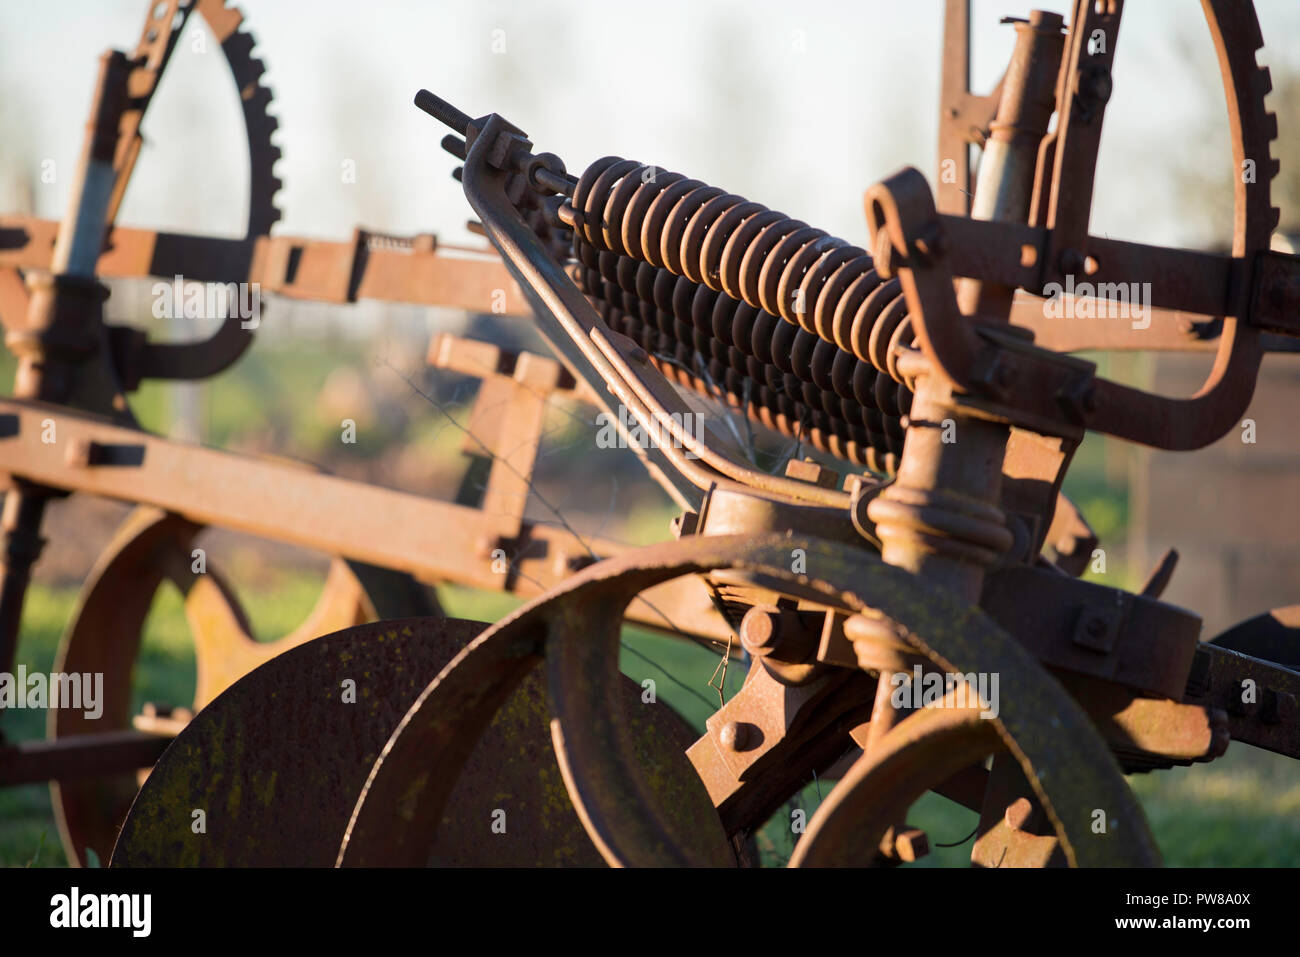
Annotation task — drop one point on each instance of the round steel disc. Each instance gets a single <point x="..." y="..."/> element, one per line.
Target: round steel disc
<point x="276" y="762"/>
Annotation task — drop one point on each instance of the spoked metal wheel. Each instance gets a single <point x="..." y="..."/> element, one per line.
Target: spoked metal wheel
<point x="639" y="812"/>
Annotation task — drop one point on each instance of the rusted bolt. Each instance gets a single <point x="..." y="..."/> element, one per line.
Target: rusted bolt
<point x="735" y="735"/>
<point x="1238" y="705"/>
<point x="760" y="630"/>
<point x="1079" y="397"/>
<point x="1071" y="260"/>
<point x="911" y="845"/>
<point x="1279" y="706"/>
<point x="80" y="452"/>
<point x="780" y="634"/>
<point x="1095" y="88"/>
<point x="806" y="470"/>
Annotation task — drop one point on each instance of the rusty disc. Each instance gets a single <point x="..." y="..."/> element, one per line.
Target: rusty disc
<point x="103" y="637"/>
<point x="276" y="762"/>
<point x="105" y="630"/>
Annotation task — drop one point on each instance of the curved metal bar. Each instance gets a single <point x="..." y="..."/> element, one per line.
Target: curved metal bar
<point x="747" y="477"/>
<point x="580" y="339"/>
<point x="903" y="208"/>
<point x="195" y="360"/>
<point x="635" y="818"/>
<point x="198" y="360"/>
<point x="398" y="816"/>
<point x="565" y="318"/>
<point x="925" y="749"/>
<point x="103" y="637"/>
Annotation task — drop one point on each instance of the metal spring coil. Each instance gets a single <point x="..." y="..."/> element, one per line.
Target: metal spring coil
<point x="821" y="284"/>
<point x="709" y="332"/>
<point x="680" y="363"/>
<point x="754" y="340"/>
<point x="837" y="307"/>
<point x="671" y="336"/>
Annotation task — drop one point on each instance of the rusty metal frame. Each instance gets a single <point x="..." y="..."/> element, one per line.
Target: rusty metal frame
<point x="941" y="521"/>
<point x="929" y="322"/>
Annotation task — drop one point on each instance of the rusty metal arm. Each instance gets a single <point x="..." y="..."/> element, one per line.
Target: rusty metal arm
<point x="1049" y="393"/>
<point x="1189" y="290"/>
<point x="593" y="353"/>
<point x="1259" y="697"/>
<point x="964" y="117"/>
<point x="433" y="540"/>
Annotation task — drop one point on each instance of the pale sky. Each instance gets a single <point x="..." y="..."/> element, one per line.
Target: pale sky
<point x="799" y="106"/>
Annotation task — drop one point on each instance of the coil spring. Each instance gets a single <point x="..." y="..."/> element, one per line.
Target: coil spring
<point x="822" y="285"/>
<point x="677" y="335"/>
<point x="680" y="362"/>
<point x="747" y="265"/>
<point x="735" y="343"/>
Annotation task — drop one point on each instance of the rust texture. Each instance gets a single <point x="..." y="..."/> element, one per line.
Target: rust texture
<point x="938" y="547"/>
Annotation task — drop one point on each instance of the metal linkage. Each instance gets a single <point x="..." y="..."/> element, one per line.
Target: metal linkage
<point x="880" y="355"/>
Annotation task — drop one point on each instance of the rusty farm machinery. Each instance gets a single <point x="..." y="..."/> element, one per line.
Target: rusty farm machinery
<point x="932" y="363"/>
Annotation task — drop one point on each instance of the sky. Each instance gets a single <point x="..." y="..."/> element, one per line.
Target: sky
<point x="799" y="106"/>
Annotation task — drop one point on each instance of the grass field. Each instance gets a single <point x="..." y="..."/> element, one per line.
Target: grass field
<point x="1241" y="810"/>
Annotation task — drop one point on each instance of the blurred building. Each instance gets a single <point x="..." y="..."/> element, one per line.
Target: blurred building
<point x="1231" y="510"/>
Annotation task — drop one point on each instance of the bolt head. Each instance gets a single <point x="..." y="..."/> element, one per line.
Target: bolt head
<point x="79" y="452"/>
<point x="735" y="735"/>
<point x="759" y="630"/>
<point x="911" y="844"/>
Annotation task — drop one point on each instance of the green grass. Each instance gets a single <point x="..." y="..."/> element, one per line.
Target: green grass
<point x="1241" y="810"/>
